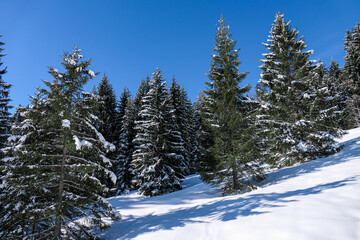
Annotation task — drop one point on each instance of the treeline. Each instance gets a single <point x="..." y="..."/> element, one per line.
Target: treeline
<point x="69" y="149"/>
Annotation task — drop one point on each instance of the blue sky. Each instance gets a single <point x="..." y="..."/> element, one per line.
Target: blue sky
<point x="128" y="39"/>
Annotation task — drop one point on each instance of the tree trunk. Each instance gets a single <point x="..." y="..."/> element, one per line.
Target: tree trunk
<point x="235" y="176"/>
<point x="60" y="194"/>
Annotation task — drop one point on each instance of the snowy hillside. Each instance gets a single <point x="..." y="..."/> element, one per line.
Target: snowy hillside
<point x="316" y="200"/>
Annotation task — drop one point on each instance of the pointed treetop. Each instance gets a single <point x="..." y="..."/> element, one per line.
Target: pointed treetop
<point x="156" y="76"/>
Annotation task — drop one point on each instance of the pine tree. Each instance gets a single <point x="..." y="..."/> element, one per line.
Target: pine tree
<point x="325" y="108"/>
<point x="182" y="126"/>
<point x="285" y="92"/>
<point x="206" y="163"/>
<point x="108" y="125"/>
<point x="143" y="89"/>
<point x="340" y="92"/>
<point x="280" y="93"/>
<point x="193" y="133"/>
<point x="352" y="71"/>
<point x="352" y="58"/>
<point x="107" y="112"/>
<point x="52" y="181"/>
<point x="228" y="117"/>
<point x="125" y="146"/>
<point x="154" y="156"/>
<point x="5" y="121"/>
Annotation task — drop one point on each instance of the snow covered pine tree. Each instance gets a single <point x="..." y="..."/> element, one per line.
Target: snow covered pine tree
<point x="183" y="126"/>
<point x="108" y="125"/>
<point x="107" y="112"/>
<point x="125" y="143"/>
<point x="5" y="123"/>
<point x="52" y="189"/>
<point x="227" y="114"/>
<point x="352" y="69"/>
<point x="286" y="94"/>
<point x="154" y="157"/>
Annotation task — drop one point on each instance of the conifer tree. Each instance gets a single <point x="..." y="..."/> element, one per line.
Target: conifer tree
<point x="282" y="83"/>
<point x="108" y="125"/>
<point x="52" y="180"/>
<point x="182" y="125"/>
<point x="352" y="71"/>
<point x="352" y="57"/>
<point x="341" y="92"/>
<point x="206" y="163"/>
<point x="285" y="92"/>
<point x="154" y="156"/>
<point x="192" y="129"/>
<point x="107" y="112"/>
<point x="144" y="87"/>
<point x="125" y="146"/>
<point x="5" y="122"/>
<point x="325" y="107"/>
<point x="228" y="117"/>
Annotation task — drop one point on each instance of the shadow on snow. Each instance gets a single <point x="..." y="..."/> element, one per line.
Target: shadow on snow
<point x="230" y="207"/>
<point x="223" y="210"/>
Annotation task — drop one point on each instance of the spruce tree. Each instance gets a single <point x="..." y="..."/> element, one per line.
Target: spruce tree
<point x="192" y="129"/>
<point x="182" y="125"/>
<point x="206" y="163"/>
<point x="155" y="155"/>
<point x="5" y="121"/>
<point x="352" y="57"/>
<point x="143" y="89"/>
<point x="325" y="108"/>
<point x="281" y="86"/>
<point x="228" y="117"/>
<point x="125" y="143"/>
<point x="286" y="91"/>
<point x="107" y="112"/>
<point x="341" y="91"/>
<point x="108" y="125"/>
<point x="51" y="181"/>
<point x="352" y="71"/>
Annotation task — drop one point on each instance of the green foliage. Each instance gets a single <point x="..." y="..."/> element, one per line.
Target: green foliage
<point x="52" y="178"/>
<point x="293" y="95"/>
<point x="107" y="111"/>
<point x="351" y="73"/>
<point x="155" y="158"/>
<point x="125" y="143"/>
<point x="226" y="113"/>
<point x="183" y="126"/>
<point x="5" y="121"/>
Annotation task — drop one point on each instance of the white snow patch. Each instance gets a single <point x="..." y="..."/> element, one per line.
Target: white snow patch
<point x="66" y="123"/>
<point x="106" y="160"/>
<point x="80" y="143"/>
<point x="302" y="147"/>
<point x="105" y="143"/>
<point x="91" y="73"/>
<point x="70" y="61"/>
<point x="306" y="96"/>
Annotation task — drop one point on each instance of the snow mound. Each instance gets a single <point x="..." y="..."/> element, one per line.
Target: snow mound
<point x="316" y="200"/>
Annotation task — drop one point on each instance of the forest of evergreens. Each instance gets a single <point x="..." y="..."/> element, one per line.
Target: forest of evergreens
<point x="68" y="150"/>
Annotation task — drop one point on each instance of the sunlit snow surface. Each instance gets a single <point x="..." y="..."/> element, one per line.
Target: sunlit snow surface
<point x="316" y="200"/>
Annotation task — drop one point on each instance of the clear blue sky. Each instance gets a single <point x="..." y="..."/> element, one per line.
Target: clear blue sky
<point x="128" y="39"/>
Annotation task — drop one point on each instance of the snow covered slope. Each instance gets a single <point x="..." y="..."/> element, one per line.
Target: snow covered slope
<point x="316" y="200"/>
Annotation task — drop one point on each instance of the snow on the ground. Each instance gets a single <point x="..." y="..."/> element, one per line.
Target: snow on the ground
<point x="316" y="200"/>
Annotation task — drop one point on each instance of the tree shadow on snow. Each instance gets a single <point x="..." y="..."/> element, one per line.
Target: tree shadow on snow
<point x="227" y="209"/>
